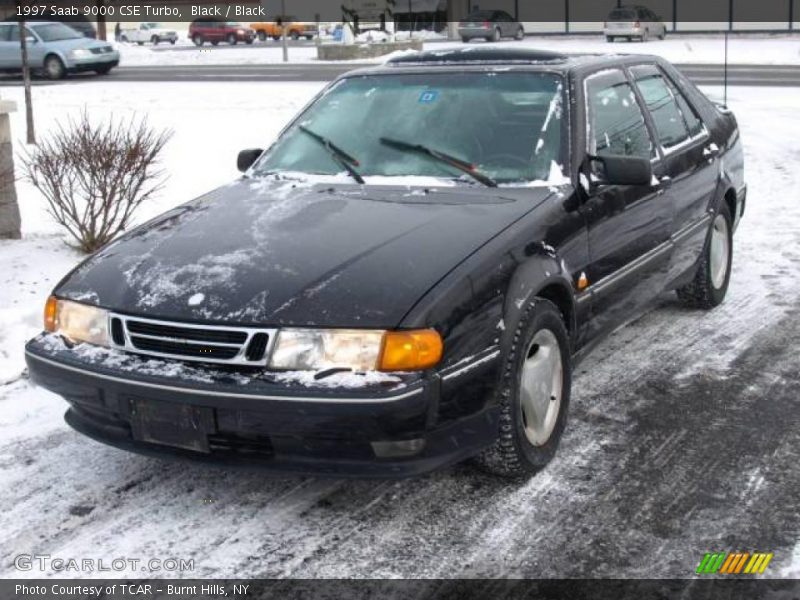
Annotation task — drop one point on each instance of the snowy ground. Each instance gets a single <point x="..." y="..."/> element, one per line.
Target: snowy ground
<point x="684" y="432"/>
<point x="705" y="49"/>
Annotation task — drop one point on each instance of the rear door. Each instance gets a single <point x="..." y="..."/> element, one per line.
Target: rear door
<point x="689" y="161"/>
<point x="629" y="226"/>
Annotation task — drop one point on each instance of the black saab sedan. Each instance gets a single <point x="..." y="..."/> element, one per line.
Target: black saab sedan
<point x="406" y="277"/>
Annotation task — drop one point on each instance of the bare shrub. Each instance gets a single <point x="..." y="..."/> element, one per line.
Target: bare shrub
<point x="94" y="177"/>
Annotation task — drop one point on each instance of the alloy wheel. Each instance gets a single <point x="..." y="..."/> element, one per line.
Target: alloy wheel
<point x="720" y="251"/>
<point x="541" y="387"/>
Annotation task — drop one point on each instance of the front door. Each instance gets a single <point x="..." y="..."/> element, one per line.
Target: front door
<point x="629" y="226"/>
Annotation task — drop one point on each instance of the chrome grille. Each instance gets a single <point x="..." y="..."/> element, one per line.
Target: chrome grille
<point x="226" y="345"/>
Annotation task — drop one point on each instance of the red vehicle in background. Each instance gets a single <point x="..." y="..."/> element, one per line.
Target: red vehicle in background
<point x="216" y="31"/>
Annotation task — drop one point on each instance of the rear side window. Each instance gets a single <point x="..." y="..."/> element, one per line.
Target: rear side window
<point x="693" y="122"/>
<point x="670" y="125"/>
<point x="5" y="32"/>
<point x="616" y="125"/>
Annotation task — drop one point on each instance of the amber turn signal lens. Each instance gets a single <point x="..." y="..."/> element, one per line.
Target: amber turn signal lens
<point x="50" y="314"/>
<point x="410" y="350"/>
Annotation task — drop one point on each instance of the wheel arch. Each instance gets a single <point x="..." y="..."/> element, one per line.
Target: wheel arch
<point x="59" y="55"/>
<point x="543" y="276"/>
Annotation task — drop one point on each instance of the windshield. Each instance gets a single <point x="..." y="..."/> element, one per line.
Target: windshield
<point x="53" y="32"/>
<point x="507" y="125"/>
<point x="622" y="14"/>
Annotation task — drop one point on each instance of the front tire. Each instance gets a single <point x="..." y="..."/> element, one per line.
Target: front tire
<point x="495" y="35"/>
<point x="232" y="39"/>
<point x="520" y="35"/>
<point x="54" y="68"/>
<point x="710" y="284"/>
<point x="154" y="40"/>
<point x="198" y="39"/>
<point x="610" y="39"/>
<point x="464" y="39"/>
<point x="534" y="393"/>
<point x="262" y="36"/>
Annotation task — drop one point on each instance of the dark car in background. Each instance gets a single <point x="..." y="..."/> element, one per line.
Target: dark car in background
<point x="634" y="22"/>
<point x="490" y="25"/>
<point x="215" y="31"/>
<point x="407" y="276"/>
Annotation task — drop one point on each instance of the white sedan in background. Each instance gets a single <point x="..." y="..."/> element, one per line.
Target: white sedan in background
<point x="634" y="22"/>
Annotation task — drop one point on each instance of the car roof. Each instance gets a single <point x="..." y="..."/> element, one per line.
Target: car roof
<point x="521" y="58"/>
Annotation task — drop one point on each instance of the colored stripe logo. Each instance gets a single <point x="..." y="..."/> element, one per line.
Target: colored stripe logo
<point x="734" y="563"/>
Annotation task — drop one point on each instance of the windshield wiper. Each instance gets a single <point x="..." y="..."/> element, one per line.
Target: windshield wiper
<point x="339" y="155"/>
<point x="457" y="163"/>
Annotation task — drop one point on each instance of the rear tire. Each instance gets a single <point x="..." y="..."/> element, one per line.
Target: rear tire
<point x="495" y="35"/>
<point x="54" y="68"/>
<point x="710" y="284"/>
<point x="262" y="36"/>
<point x="536" y="374"/>
<point x="172" y="42"/>
<point x="232" y="39"/>
<point x="154" y="40"/>
<point x="215" y="42"/>
<point x="610" y="39"/>
<point x="140" y="43"/>
<point x="663" y="35"/>
<point x="464" y="39"/>
<point x="294" y="35"/>
<point x="520" y="35"/>
<point x="276" y="37"/>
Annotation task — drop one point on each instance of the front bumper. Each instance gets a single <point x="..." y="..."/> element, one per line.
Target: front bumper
<point x="260" y="423"/>
<point x="95" y="61"/>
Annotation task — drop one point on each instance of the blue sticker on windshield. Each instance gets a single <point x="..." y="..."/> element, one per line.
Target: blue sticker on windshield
<point x="428" y="96"/>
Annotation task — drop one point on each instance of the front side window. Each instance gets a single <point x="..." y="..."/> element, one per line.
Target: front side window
<point x="508" y="125"/>
<point x="669" y="122"/>
<point x="616" y="126"/>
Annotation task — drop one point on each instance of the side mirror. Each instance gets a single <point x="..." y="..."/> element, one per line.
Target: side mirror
<point x="247" y="157"/>
<point x="621" y="170"/>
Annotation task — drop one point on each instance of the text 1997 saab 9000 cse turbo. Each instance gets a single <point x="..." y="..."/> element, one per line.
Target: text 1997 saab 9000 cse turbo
<point x="405" y="277"/>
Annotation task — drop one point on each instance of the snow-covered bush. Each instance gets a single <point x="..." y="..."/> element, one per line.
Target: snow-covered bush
<point x="94" y="177"/>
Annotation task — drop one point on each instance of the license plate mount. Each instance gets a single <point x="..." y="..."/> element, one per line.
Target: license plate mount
<point x="171" y="424"/>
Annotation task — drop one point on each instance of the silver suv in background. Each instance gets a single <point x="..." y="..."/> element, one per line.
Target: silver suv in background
<point x="634" y="22"/>
<point x="54" y="49"/>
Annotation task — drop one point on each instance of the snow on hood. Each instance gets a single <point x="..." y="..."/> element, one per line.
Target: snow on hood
<point x="297" y="252"/>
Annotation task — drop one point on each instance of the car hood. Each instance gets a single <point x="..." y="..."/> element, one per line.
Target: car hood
<point x="84" y="42"/>
<point x="284" y="253"/>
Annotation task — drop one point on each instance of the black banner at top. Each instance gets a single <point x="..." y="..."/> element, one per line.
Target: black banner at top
<point x="777" y="13"/>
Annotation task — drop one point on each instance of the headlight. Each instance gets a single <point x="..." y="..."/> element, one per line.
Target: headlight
<point x="79" y="53"/>
<point x="76" y="322"/>
<point x="359" y="350"/>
